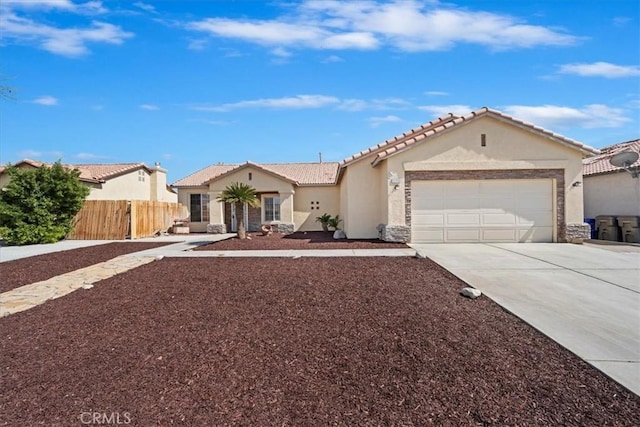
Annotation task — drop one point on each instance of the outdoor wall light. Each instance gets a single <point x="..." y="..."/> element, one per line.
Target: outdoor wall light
<point x="394" y="180"/>
<point x="576" y="184"/>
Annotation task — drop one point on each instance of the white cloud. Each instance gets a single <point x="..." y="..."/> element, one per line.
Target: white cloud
<point x="436" y="93"/>
<point x="601" y="69"/>
<point x="332" y="58"/>
<point x="197" y="44"/>
<point x="443" y="110"/>
<point x="47" y="100"/>
<point x="87" y="8"/>
<point x="281" y="52"/>
<point x="148" y="107"/>
<point x="40" y="155"/>
<point x="144" y="6"/>
<point x="89" y="156"/>
<point x="293" y="102"/>
<point x="62" y="41"/>
<point x="406" y="25"/>
<point x="377" y="121"/>
<point x="556" y="116"/>
<point x="271" y="33"/>
<point x="374" y="104"/>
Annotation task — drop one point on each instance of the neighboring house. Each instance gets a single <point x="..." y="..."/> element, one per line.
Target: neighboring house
<point x="608" y="189"/>
<point x="484" y="177"/>
<point x="116" y="181"/>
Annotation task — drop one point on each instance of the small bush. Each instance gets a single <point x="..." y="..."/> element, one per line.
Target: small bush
<point x="38" y="205"/>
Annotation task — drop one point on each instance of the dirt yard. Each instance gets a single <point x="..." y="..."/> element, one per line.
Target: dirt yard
<point x="298" y="240"/>
<point x="296" y="342"/>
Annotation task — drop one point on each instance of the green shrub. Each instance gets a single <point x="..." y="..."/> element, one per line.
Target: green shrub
<point x="38" y="205"/>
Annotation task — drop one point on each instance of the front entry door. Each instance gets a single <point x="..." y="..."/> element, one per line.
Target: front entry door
<point x="234" y="220"/>
<point x="234" y="217"/>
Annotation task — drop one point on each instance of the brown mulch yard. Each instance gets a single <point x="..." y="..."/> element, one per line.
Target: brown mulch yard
<point x="298" y="240"/>
<point x="296" y="342"/>
<point x="42" y="267"/>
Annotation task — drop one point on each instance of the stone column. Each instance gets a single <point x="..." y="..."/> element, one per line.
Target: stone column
<point x="286" y="224"/>
<point x="216" y="215"/>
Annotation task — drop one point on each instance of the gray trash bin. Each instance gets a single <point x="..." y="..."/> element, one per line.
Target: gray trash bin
<point x="630" y="227"/>
<point x="608" y="228"/>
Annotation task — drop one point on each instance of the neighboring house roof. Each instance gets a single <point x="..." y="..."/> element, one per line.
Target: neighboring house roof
<point x="436" y="127"/>
<point x="324" y="173"/>
<point x="93" y="173"/>
<point x="600" y="164"/>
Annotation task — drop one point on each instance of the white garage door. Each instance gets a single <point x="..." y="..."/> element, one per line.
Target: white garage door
<point x="482" y="211"/>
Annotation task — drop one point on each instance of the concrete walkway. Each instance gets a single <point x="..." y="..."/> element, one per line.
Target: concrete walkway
<point x="29" y="296"/>
<point x="584" y="297"/>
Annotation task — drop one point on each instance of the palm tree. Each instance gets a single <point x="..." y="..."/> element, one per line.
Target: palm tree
<point x="240" y="193"/>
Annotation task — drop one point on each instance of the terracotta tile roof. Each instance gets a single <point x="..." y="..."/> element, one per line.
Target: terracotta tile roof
<point x="400" y="139"/>
<point x="91" y="172"/>
<point x="408" y="139"/>
<point x="600" y="164"/>
<point x="297" y="173"/>
<point x="103" y="172"/>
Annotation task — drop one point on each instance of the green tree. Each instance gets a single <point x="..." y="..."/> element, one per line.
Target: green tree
<point x="38" y="205"/>
<point x="240" y="193"/>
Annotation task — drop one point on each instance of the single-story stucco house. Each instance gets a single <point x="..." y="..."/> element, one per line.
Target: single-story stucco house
<point x="483" y="177"/>
<point x="609" y="189"/>
<point x="114" y="181"/>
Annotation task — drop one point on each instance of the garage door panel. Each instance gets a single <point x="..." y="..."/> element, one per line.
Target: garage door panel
<point x="462" y="219"/>
<point x="502" y="218"/>
<point x="428" y="235"/>
<point x="426" y="219"/>
<point x="535" y="235"/>
<point x="466" y="203"/>
<point x="539" y="219"/>
<point x="499" y="235"/>
<point x="482" y="211"/>
<point x="462" y="235"/>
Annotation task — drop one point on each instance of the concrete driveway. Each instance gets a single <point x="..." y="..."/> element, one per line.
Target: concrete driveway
<point x="587" y="298"/>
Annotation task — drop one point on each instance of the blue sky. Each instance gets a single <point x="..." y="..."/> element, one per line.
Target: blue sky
<point x="191" y="83"/>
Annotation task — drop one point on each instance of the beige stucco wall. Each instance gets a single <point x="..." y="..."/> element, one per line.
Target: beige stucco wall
<point x="184" y="197"/>
<point x="158" y="186"/>
<point x="124" y="187"/>
<point x="508" y="147"/>
<point x="326" y="198"/>
<point x="611" y="194"/>
<point x="361" y="201"/>
<point x="263" y="183"/>
<point x="4" y="180"/>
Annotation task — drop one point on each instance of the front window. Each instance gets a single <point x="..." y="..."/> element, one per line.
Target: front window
<point x="199" y="207"/>
<point x="271" y="209"/>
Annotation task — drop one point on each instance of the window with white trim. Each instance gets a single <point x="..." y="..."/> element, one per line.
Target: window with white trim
<point x="199" y="207"/>
<point x="271" y="208"/>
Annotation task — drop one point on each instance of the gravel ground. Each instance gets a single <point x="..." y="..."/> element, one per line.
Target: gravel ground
<point x="42" y="267"/>
<point x="304" y="342"/>
<point x="298" y="240"/>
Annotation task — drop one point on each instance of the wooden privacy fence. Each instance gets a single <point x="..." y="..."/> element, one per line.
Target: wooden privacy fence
<point x="119" y="219"/>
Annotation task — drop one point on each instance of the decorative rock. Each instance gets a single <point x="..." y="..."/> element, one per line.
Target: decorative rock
<point x="339" y="234"/>
<point x="87" y="286"/>
<point x="420" y="255"/>
<point x="394" y="233"/>
<point x="159" y="257"/>
<point x="286" y="228"/>
<point x="470" y="293"/>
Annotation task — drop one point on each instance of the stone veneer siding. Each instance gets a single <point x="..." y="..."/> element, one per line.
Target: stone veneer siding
<point x="216" y="228"/>
<point x="464" y="175"/>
